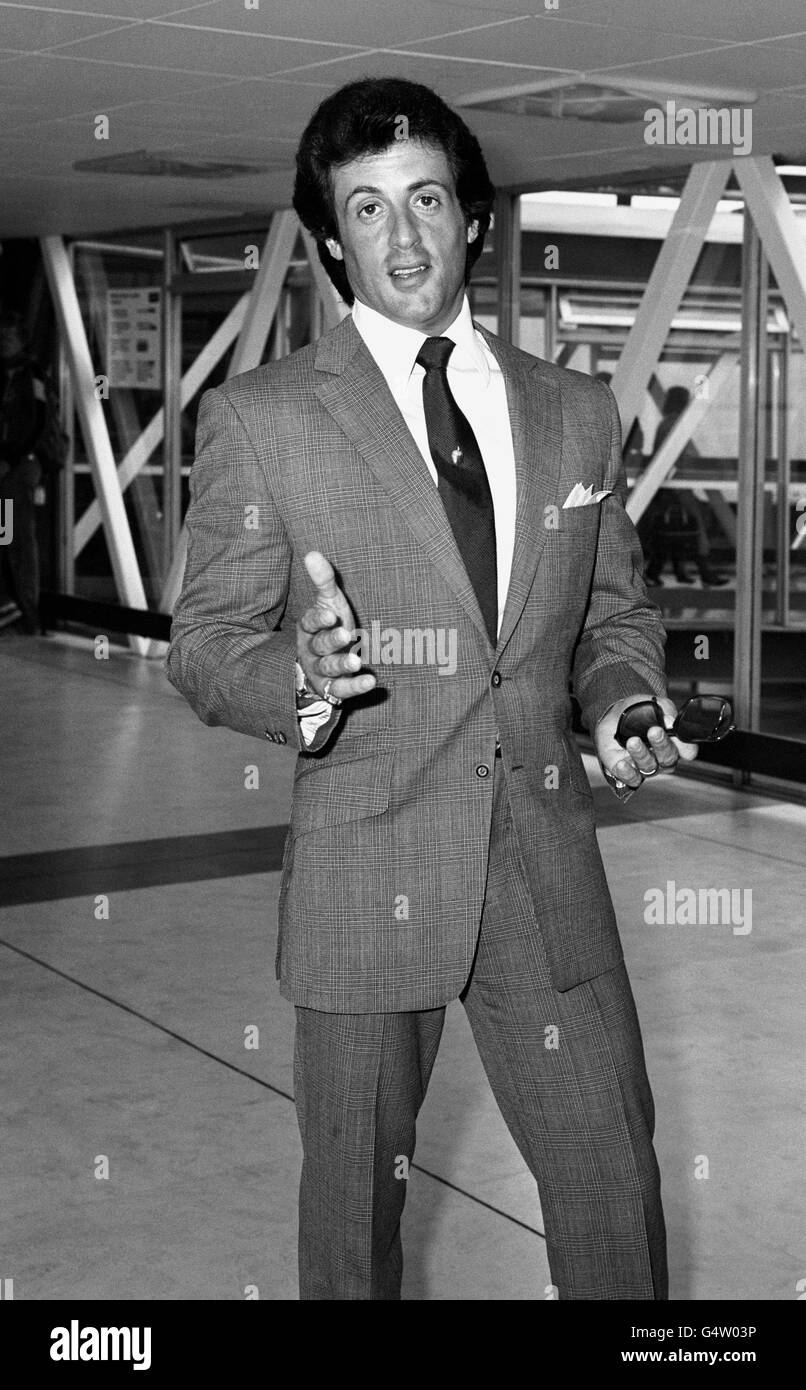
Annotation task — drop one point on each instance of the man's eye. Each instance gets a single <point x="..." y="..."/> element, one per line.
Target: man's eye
<point x="368" y="208"/>
<point x="429" y="199"/>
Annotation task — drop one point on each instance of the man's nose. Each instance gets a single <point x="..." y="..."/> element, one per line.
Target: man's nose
<point x="404" y="231"/>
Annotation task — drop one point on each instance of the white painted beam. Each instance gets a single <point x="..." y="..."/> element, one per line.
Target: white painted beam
<point x="661" y="465"/>
<point x="143" y="447"/>
<point x="768" y="203"/>
<point x="671" y="274"/>
<point x="126" y="571"/>
<point x="260" y="310"/>
<point x="265" y="296"/>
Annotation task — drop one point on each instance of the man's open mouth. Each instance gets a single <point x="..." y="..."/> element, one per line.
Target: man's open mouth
<point x="403" y="272"/>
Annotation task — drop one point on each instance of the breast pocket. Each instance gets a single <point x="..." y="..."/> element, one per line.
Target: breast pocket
<point x="349" y="790"/>
<point x="570" y="552"/>
<point x="580" y="521"/>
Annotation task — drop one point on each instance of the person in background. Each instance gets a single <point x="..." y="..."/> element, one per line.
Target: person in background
<point x="632" y="452"/>
<point x="676" y="520"/>
<point x="22" y="419"/>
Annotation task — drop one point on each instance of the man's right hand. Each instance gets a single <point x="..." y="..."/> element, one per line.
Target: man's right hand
<point x="324" y="635"/>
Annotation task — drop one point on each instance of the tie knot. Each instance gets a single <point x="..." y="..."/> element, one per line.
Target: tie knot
<point x="434" y="353"/>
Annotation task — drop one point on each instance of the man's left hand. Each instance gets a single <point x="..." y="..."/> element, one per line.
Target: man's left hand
<point x="643" y="758"/>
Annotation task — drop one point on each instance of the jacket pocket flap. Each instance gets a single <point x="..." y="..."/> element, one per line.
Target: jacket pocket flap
<point x="335" y="792"/>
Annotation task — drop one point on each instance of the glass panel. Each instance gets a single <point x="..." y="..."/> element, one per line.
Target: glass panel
<point x="783" y="655"/>
<point x="205" y="312"/>
<point x="585" y="267"/>
<point x="119" y="288"/>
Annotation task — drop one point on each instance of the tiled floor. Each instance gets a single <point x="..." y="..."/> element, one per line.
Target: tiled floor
<point x="124" y="1038"/>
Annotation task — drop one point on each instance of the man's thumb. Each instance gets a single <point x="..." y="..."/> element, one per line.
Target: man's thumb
<point x="321" y="572"/>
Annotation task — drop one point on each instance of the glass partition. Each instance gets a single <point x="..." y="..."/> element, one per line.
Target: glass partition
<point x="586" y="260"/>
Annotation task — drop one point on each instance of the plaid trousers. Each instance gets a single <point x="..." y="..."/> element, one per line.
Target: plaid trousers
<point x="576" y="1100"/>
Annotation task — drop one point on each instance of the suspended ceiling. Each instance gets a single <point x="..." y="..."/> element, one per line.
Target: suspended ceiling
<point x="224" y="83"/>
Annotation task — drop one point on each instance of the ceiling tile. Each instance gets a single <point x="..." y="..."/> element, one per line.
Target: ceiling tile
<point x="80" y="86"/>
<point x="24" y="30"/>
<point x="721" y="20"/>
<point x="449" y="78"/>
<point x="136" y="10"/>
<point x="560" y="44"/>
<point x="725" y="20"/>
<point x="197" y="50"/>
<point x="354" y="22"/>
<point x="244" y="107"/>
<point x="757" y="66"/>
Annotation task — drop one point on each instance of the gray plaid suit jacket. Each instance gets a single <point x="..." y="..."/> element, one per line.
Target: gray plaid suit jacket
<point x="386" y="855"/>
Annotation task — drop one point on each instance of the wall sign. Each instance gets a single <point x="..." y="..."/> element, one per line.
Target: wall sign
<point x="134" y="338"/>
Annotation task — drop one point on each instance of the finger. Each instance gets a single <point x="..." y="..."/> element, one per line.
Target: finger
<point x="316" y="618"/>
<point x="642" y="756"/>
<point x="323" y="575"/>
<point x="332" y="640"/>
<point x="328" y="592"/>
<point x="341" y="664"/>
<point x="688" y="751"/>
<point x="662" y="746"/>
<point x="625" y="770"/>
<point x="345" y="687"/>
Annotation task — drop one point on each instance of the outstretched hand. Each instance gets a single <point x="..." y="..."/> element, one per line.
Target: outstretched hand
<point x="324" y="635"/>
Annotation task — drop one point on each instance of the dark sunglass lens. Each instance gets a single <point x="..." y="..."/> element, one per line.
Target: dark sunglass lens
<point x="638" y="720"/>
<point x="703" y="719"/>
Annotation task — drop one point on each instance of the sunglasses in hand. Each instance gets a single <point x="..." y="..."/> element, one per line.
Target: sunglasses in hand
<point x="702" y="719"/>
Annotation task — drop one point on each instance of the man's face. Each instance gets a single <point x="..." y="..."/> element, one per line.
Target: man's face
<point x="397" y="211"/>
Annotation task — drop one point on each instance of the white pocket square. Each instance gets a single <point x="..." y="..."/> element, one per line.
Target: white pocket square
<point x="580" y="496"/>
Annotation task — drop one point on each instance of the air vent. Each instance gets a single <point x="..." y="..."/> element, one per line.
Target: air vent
<point x="585" y="101"/>
<point x="582" y="97"/>
<point x="154" y="164"/>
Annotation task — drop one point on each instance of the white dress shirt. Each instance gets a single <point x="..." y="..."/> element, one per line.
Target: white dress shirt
<point x="477" y="385"/>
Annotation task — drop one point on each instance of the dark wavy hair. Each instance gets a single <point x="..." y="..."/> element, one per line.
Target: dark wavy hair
<point x="364" y="118"/>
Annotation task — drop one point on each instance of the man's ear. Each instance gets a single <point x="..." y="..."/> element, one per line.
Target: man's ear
<point x="334" y="247"/>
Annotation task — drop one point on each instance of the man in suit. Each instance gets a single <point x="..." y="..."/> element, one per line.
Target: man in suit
<point x="382" y="572"/>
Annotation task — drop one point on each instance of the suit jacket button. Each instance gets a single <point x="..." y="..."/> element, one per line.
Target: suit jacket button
<point x="281" y="738"/>
<point x="482" y="770"/>
<point x="497" y="678"/>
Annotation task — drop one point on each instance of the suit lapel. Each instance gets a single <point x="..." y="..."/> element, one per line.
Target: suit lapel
<point x="352" y="388"/>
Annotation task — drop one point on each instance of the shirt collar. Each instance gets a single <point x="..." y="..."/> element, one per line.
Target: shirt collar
<point x="395" y="347"/>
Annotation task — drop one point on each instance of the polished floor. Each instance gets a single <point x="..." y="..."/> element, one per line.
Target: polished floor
<point x="147" y="1041"/>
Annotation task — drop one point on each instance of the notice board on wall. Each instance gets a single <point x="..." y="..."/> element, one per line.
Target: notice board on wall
<point x="134" y="338"/>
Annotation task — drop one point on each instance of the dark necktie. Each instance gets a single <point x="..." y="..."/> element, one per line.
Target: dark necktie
<point x="463" y="484"/>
